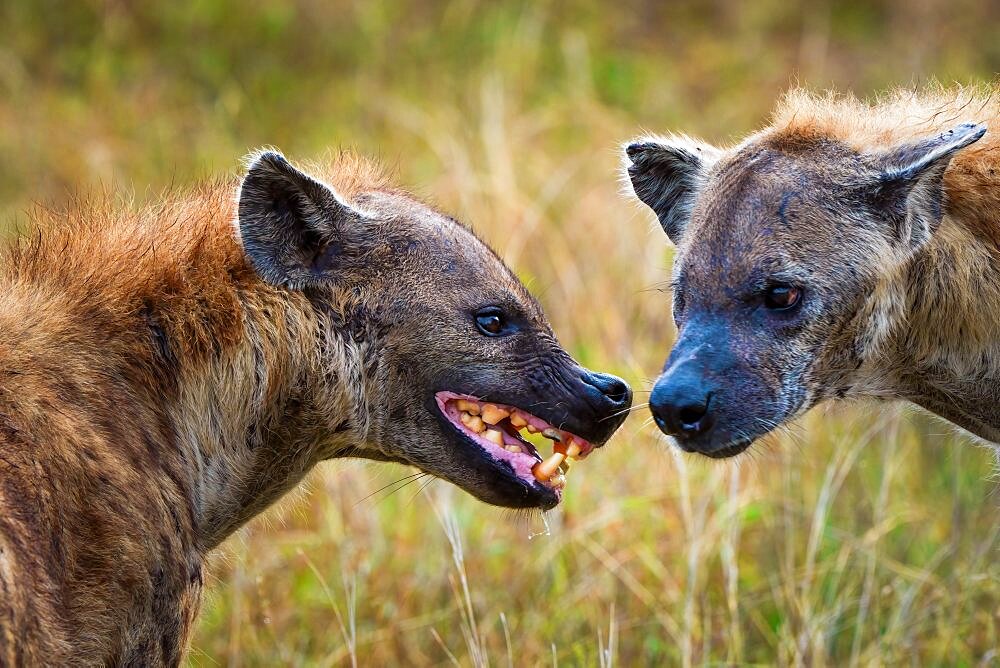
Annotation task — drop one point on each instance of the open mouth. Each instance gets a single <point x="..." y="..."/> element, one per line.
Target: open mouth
<point x="500" y="431"/>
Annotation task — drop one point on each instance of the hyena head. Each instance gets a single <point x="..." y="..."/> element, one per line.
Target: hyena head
<point x="786" y="273"/>
<point x="453" y="359"/>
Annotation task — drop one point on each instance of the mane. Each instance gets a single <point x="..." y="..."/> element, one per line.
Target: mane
<point x="103" y="239"/>
<point x="891" y="118"/>
<point x="972" y="181"/>
<point x="112" y="263"/>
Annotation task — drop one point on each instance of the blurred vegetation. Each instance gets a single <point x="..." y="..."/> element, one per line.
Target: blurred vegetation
<point x="861" y="536"/>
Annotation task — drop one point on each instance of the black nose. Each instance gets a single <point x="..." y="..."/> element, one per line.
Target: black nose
<point x="681" y="406"/>
<point x="613" y="389"/>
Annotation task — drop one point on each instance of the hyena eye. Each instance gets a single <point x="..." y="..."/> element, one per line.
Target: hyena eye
<point x="490" y="321"/>
<point x="782" y="297"/>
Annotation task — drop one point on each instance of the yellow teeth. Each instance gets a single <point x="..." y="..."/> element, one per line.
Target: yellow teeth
<point x="493" y="414"/>
<point x="473" y="422"/>
<point x="545" y="470"/>
<point x="483" y="418"/>
<point x="494" y="436"/>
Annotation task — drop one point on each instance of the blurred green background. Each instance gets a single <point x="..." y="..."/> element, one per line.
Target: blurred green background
<point x="865" y="535"/>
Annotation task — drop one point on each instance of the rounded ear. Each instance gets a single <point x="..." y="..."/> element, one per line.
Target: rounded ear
<point x="293" y="227"/>
<point x="666" y="175"/>
<point x="909" y="192"/>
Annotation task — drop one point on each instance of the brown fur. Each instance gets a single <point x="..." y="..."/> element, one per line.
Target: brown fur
<point x="901" y="277"/>
<point x="156" y="393"/>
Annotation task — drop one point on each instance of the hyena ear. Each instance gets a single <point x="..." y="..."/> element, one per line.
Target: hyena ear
<point x="291" y="225"/>
<point x="910" y="187"/>
<point x="666" y="175"/>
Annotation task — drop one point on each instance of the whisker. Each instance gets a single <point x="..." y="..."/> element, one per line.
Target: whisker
<point x="407" y="478"/>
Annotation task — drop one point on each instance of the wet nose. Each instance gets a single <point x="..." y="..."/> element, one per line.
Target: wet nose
<point x="682" y="406"/>
<point x="613" y="391"/>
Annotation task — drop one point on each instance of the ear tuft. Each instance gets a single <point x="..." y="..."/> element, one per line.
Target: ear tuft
<point x="292" y="225"/>
<point x="910" y="160"/>
<point x="910" y="188"/>
<point x="666" y="175"/>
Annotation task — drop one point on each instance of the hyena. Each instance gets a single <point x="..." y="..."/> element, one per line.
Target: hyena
<point x="167" y="374"/>
<point x="845" y="250"/>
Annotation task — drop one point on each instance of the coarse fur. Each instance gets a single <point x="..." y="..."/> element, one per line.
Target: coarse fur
<point x="160" y="385"/>
<point x="884" y="216"/>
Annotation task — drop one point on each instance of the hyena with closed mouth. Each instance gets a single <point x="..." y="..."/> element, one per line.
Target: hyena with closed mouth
<point x="846" y="250"/>
<point x="166" y="375"/>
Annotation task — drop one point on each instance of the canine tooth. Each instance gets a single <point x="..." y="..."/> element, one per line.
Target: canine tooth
<point x="473" y="422"/>
<point x="513" y="448"/>
<point x="532" y="429"/>
<point x="494" y="436"/>
<point x="552" y="433"/>
<point x="467" y="406"/>
<point x="517" y="420"/>
<point x="558" y="480"/>
<point x="568" y="447"/>
<point x="544" y="470"/>
<point x="493" y="414"/>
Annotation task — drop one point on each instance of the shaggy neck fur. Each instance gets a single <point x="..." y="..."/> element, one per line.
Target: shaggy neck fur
<point x="947" y="343"/>
<point x="157" y="320"/>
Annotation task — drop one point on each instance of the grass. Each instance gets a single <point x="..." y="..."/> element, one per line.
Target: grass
<point x="862" y="535"/>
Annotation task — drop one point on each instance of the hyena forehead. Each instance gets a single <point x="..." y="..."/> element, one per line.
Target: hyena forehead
<point x="799" y="194"/>
<point x="442" y="250"/>
<point x="779" y="204"/>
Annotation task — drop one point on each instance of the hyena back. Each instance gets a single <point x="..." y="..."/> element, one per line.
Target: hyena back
<point x="165" y="376"/>
<point x="846" y="250"/>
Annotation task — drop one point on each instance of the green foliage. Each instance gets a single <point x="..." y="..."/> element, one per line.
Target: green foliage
<point x="857" y="536"/>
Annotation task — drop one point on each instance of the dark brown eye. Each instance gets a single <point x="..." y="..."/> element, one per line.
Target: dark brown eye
<point x="782" y="297"/>
<point x="489" y="321"/>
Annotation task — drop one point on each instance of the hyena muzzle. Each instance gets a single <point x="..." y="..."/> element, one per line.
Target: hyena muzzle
<point x="846" y="250"/>
<point x="164" y="377"/>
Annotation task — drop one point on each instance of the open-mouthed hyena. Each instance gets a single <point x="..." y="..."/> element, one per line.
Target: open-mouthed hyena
<point x="166" y="375"/>
<point x="846" y="250"/>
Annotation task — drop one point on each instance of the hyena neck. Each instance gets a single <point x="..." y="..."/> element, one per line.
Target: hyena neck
<point x="946" y="353"/>
<point x="261" y="412"/>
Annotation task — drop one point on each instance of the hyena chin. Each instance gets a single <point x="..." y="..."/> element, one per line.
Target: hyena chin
<point x="165" y="375"/>
<point x="846" y="250"/>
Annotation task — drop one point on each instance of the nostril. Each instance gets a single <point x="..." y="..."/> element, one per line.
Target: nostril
<point x="681" y="409"/>
<point x="612" y="387"/>
<point x="690" y="416"/>
<point x="617" y="392"/>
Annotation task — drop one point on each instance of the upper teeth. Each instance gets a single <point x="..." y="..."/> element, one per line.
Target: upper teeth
<point x="493" y="414"/>
<point x="483" y="418"/>
<point x="473" y="422"/>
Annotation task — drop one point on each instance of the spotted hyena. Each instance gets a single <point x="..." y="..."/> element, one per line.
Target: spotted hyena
<point x="846" y="250"/>
<point x="165" y="375"/>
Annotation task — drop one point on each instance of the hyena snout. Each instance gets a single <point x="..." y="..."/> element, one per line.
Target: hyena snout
<point x="682" y="403"/>
<point x="609" y="397"/>
<point x="702" y="397"/>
